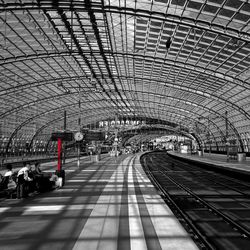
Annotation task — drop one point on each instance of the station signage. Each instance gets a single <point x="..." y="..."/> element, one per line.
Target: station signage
<point x="120" y="123"/>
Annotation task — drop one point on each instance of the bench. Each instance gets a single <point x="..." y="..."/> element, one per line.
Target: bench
<point x="8" y="193"/>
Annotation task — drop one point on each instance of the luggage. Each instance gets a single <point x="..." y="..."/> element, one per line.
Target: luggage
<point x="61" y="174"/>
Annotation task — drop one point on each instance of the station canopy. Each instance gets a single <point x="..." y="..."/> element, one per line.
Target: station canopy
<point x="183" y="64"/>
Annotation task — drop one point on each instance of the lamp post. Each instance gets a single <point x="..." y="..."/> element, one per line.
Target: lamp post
<point x="209" y="137"/>
<point x="227" y="142"/>
<point x="116" y="135"/>
<point x="78" y="134"/>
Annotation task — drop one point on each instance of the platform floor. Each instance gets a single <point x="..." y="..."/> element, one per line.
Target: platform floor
<point x="218" y="160"/>
<point x="106" y="205"/>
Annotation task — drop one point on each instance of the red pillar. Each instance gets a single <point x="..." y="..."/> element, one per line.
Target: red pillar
<point x="59" y="153"/>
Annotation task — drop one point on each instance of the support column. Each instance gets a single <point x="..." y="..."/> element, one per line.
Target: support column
<point x="59" y="154"/>
<point x="64" y="144"/>
<point x="60" y="172"/>
<point x="78" y="155"/>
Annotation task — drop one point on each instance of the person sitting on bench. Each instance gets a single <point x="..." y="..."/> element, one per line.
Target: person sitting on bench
<point x="7" y="177"/>
<point x="43" y="180"/>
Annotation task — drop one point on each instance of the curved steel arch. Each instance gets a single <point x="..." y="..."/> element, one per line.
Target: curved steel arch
<point x="77" y="6"/>
<point x="73" y="93"/>
<point x="48" y="124"/>
<point x="202" y="27"/>
<point x="29" y="104"/>
<point x="167" y="128"/>
<point x="106" y="91"/>
<point x="193" y="67"/>
<point x="22" y="58"/>
<point x="183" y="66"/>
<point x="175" y="63"/>
<point x="198" y="139"/>
<point x="36" y="116"/>
<point x="240" y="110"/>
<point x="101" y="8"/>
<point x="42" y="83"/>
<point x="76" y="113"/>
<point x="153" y="108"/>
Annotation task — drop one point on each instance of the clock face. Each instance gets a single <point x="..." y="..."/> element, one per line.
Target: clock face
<point x="78" y="136"/>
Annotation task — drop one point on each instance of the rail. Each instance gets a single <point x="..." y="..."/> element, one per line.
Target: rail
<point x="157" y="171"/>
<point x="177" y="209"/>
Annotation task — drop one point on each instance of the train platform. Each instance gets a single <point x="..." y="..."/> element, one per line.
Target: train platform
<point x="217" y="160"/>
<point x="110" y="204"/>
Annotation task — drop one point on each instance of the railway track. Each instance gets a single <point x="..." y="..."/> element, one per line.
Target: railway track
<point x="213" y="207"/>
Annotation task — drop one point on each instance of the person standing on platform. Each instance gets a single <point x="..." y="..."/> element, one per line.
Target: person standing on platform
<point x="23" y="181"/>
<point x="9" y="170"/>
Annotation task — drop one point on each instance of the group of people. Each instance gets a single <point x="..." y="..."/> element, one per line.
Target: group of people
<point x="28" y="179"/>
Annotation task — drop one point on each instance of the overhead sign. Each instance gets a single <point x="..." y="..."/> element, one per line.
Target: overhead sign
<point x="94" y="136"/>
<point x="65" y="136"/>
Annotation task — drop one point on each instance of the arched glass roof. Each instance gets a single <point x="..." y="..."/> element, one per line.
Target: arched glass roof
<point x="184" y="62"/>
